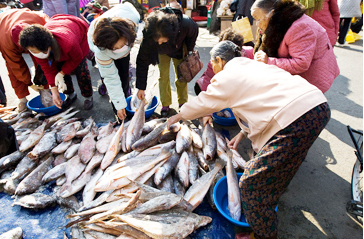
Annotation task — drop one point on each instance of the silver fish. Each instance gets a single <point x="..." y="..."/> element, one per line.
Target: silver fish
<point x="83" y="132"/>
<point x="16" y="233"/>
<point x="71" y="151"/>
<point x="209" y="142"/>
<point x="103" y="144"/>
<point x="87" y="147"/>
<point x="25" y="166"/>
<point x="183" y="139"/>
<point x="68" y="132"/>
<point x="166" y="168"/>
<point x="179" y="189"/>
<point x="59" y="159"/>
<point x="55" y="173"/>
<point x="35" y="201"/>
<point x="150" y="139"/>
<point x="74" y="168"/>
<point x="33" y="138"/>
<point x="46" y="98"/>
<point x="181" y="169"/>
<point x="105" y="130"/>
<point x="167" y="184"/>
<point x="136" y="126"/>
<point x="196" y="139"/>
<point x="89" y="193"/>
<point x="151" y="125"/>
<point x="11" y="159"/>
<point x="113" y="149"/>
<point x="34" y="180"/>
<point x="201" y="159"/>
<point x="62" y="147"/>
<point x="192" y="167"/>
<point x="44" y="146"/>
<point x="234" y="199"/>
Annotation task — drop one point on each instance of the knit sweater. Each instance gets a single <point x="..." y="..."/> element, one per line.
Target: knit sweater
<point x="266" y="98"/>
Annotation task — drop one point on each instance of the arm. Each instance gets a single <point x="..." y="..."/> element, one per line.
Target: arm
<point x="191" y="35"/>
<point x="301" y="44"/>
<point x="75" y="56"/>
<point x="142" y="65"/>
<point x="15" y="61"/>
<point x="334" y="9"/>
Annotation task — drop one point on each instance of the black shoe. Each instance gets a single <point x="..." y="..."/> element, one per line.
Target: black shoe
<point x="69" y="100"/>
<point x="88" y="104"/>
<point x="164" y="111"/>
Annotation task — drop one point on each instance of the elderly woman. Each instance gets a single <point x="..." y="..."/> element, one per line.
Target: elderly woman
<point x="166" y="33"/>
<point x="294" y="42"/>
<point x="111" y="37"/>
<point x="60" y="48"/>
<point x="280" y="113"/>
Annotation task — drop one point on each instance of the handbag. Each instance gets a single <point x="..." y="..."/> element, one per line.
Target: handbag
<point x="244" y="28"/>
<point x="189" y="67"/>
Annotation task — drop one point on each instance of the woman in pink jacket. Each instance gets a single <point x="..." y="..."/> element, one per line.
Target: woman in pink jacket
<point x="280" y="113"/>
<point x="294" y="42"/>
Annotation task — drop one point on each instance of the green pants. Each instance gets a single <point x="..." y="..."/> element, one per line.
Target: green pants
<point x="165" y="84"/>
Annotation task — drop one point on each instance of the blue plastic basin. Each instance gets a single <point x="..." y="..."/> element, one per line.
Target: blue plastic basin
<point x="221" y="201"/>
<point x="224" y="121"/>
<point x="148" y="112"/>
<point x="36" y="105"/>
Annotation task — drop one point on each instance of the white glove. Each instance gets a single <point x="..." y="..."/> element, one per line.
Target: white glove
<point x="59" y="81"/>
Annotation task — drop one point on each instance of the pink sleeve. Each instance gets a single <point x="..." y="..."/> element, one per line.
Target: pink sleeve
<point x="301" y="44"/>
<point x="204" y="80"/>
<point x="248" y="51"/>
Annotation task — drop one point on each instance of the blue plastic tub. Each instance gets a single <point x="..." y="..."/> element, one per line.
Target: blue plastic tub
<point x="36" y="105"/>
<point x="224" y="121"/>
<point x="148" y="112"/>
<point x="221" y="201"/>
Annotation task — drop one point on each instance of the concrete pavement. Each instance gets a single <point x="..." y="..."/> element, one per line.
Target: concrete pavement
<point x="314" y="204"/>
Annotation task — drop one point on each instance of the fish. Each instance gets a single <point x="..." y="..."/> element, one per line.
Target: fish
<point x="127" y="156"/>
<point x="83" y="132"/>
<point x="183" y="139"/>
<point x="89" y="193"/>
<point x="209" y="142"/>
<point x="103" y="144"/>
<point x="166" y="168"/>
<point x="63" y="115"/>
<point x="16" y="233"/>
<point x="44" y="146"/>
<point x="113" y="149"/>
<point x="23" y="115"/>
<point x="96" y="202"/>
<point x="123" y="227"/>
<point x="74" y="168"/>
<point x="198" y="190"/>
<point x="58" y="125"/>
<point x="29" y="123"/>
<point x="11" y="159"/>
<point x="196" y="139"/>
<point x="69" y="202"/>
<point x="35" y="201"/>
<point x="61" y="180"/>
<point x="77" y="233"/>
<point x="55" y="173"/>
<point x="167" y="184"/>
<point x="25" y="166"/>
<point x="220" y="140"/>
<point x="240" y="161"/>
<point x="135" y="128"/>
<point x="59" y="159"/>
<point x="234" y="199"/>
<point x="105" y="130"/>
<point x="150" y="139"/>
<point x="62" y="147"/>
<point x="179" y="189"/>
<point x="46" y="98"/>
<point x="167" y="136"/>
<point x="34" y="137"/>
<point x="210" y="197"/>
<point x="87" y="147"/>
<point x="72" y="151"/>
<point x="181" y="169"/>
<point x="34" y="180"/>
<point x="201" y="158"/>
<point x="151" y="125"/>
<point x="68" y="132"/>
<point x="192" y="167"/>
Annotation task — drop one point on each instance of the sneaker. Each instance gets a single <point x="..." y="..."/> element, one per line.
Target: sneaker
<point x="164" y="111"/>
<point x="22" y="107"/>
<point x="70" y="98"/>
<point x="88" y="104"/>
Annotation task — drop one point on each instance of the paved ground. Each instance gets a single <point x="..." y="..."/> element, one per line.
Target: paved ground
<point x="314" y="204"/>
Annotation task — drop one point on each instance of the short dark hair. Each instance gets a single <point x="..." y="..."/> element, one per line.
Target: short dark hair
<point x="108" y="31"/>
<point x="233" y="35"/>
<point x="36" y="36"/>
<point x="226" y="50"/>
<point x="160" y="24"/>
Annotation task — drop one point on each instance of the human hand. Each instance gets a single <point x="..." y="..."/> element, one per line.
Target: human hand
<point x="261" y="56"/>
<point x="56" y="97"/>
<point x="174" y="119"/>
<point x="59" y="81"/>
<point x="141" y="94"/>
<point x="233" y="144"/>
<point x="207" y="119"/>
<point x="121" y="114"/>
<point x="37" y="88"/>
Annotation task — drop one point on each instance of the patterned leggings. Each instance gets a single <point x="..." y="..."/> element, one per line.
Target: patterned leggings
<point x="267" y="176"/>
<point x="83" y="79"/>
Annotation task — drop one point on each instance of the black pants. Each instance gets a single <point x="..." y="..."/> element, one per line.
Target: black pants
<point x="2" y="93"/>
<point x="123" y="68"/>
<point x="344" y="29"/>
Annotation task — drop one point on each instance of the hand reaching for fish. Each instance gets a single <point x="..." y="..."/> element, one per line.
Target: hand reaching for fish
<point x="121" y="114"/>
<point x="141" y="94"/>
<point x="207" y="119"/>
<point x="56" y="97"/>
<point x="174" y="119"/>
<point x="233" y="144"/>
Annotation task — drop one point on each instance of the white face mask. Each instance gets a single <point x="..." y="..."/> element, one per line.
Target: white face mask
<point x="121" y="50"/>
<point x="41" y="55"/>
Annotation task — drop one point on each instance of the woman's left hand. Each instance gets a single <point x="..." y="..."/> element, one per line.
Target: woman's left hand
<point x="261" y="56"/>
<point x="56" y="97"/>
<point x="174" y="119"/>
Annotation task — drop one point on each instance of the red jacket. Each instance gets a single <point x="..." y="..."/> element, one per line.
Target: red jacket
<point x="11" y="23"/>
<point x="70" y="33"/>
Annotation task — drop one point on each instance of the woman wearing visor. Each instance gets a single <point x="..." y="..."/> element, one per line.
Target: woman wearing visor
<point x="111" y="37"/>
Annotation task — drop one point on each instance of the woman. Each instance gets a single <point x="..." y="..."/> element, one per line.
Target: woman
<point x="60" y="48"/>
<point x="280" y="113"/>
<point x="12" y="23"/>
<point x="111" y="37"/>
<point x="294" y="42"/>
<point x="166" y="32"/>
<point x="348" y="10"/>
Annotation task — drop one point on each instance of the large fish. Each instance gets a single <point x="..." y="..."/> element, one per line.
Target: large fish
<point x="88" y="146"/>
<point x="34" y="180"/>
<point x="72" y="150"/>
<point x="113" y="150"/>
<point x="135" y="127"/>
<point x="68" y="132"/>
<point x="151" y="125"/>
<point x="90" y="124"/>
<point x="192" y="167"/>
<point x="16" y="233"/>
<point x="25" y="166"/>
<point x="59" y="159"/>
<point x="74" y="168"/>
<point x="46" y="98"/>
<point x="11" y="160"/>
<point x="181" y="169"/>
<point x="196" y="139"/>
<point x="62" y="147"/>
<point x="150" y="139"/>
<point x="105" y="130"/>
<point x="166" y="168"/>
<point x="44" y="146"/>
<point x="89" y="193"/>
<point x="198" y="190"/>
<point x="234" y="199"/>
<point x="103" y="144"/>
<point x="35" y="201"/>
<point x="167" y="184"/>
<point x="183" y="139"/>
<point x="33" y="138"/>
<point x="55" y="173"/>
<point x="69" y="202"/>
<point x="209" y="142"/>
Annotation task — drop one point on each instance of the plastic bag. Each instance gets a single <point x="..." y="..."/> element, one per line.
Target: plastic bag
<point x="243" y="27"/>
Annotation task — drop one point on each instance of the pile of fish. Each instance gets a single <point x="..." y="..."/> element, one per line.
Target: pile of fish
<point x="138" y="179"/>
